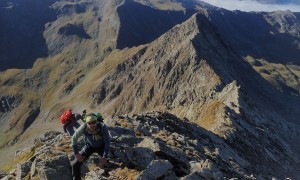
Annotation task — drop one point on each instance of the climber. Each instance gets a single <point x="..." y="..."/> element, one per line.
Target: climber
<point x="69" y="121"/>
<point x="97" y="140"/>
<point x="98" y="115"/>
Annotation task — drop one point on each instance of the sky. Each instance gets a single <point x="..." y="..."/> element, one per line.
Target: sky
<point x="252" y="5"/>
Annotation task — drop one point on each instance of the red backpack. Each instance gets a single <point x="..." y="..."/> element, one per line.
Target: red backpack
<point x="65" y="116"/>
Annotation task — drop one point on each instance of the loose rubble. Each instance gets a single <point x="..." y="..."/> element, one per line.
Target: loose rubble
<point x="151" y="145"/>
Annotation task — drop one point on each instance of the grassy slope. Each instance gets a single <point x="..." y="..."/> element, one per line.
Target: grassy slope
<point x="163" y="5"/>
<point x="279" y="75"/>
<point x="52" y="96"/>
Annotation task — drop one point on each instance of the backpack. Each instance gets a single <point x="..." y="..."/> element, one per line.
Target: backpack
<point x="65" y="116"/>
<point x="99" y="117"/>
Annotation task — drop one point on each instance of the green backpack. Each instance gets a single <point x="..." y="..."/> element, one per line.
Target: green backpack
<point x="98" y="115"/>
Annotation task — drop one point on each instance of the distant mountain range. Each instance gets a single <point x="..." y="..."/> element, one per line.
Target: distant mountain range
<point x="279" y="1"/>
<point x="232" y="73"/>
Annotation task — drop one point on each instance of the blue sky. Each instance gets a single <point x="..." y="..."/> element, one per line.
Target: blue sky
<point x="252" y="5"/>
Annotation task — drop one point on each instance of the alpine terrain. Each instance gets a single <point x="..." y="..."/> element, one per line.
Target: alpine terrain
<point x="187" y="90"/>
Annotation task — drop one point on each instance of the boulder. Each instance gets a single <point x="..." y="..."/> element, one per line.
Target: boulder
<point x="206" y="169"/>
<point x="156" y="169"/>
<point x="142" y="157"/>
<point x="165" y="151"/>
<point x="97" y="174"/>
<point x="23" y="169"/>
<point x="51" y="165"/>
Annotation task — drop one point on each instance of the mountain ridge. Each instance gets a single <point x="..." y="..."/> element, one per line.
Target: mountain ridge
<point x="191" y="71"/>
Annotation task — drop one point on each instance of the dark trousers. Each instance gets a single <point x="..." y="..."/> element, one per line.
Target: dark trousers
<point x="86" y="151"/>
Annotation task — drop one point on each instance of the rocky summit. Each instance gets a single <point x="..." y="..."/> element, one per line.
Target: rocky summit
<point x="156" y="145"/>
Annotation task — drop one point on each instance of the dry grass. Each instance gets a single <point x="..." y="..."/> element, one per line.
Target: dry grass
<point x="163" y="5"/>
<point x="27" y="177"/>
<point x="8" y="136"/>
<point x="295" y="69"/>
<point x="124" y="123"/>
<point x="19" y="159"/>
<point x="10" y="73"/>
<point x="64" y="145"/>
<point x="209" y="114"/>
<point x="48" y="155"/>
<point x="126" y="174"/>
<point x="65" y="148"/>
<point x="109" y="63"/>
<point x="162" y="134"/>
<point x="276" y="73"/>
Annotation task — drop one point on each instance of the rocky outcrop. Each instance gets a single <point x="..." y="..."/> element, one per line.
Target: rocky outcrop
<point x="73" y="30"/>
<point x="8" y="103"/>
<point x="158" y="145"/>
<point x="285" y="22"/>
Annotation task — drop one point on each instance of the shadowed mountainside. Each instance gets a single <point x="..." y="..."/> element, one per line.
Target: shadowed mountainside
<point x="273" y="36"/>
<point x="21" y="33"/>
<point x="140" y="24"/>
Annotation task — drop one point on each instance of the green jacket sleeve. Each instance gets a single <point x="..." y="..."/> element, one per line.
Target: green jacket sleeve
<point x="79" y="132"/>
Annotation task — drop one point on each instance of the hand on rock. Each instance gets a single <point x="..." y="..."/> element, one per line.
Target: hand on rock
<point x="102" y="161"/>
<point x="80" y="157"/>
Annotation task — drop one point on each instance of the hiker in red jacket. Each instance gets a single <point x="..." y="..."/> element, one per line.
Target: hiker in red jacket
<point x="69" y="121"/>
<point x="73" y="122"/>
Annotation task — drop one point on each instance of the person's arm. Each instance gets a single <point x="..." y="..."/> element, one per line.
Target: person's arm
<point x="77" y="116"/>
<point x="66" y="125"/>
<point x="83" y="115"/>
<point x="79" y="132"/>
<point x="106" y="140"/>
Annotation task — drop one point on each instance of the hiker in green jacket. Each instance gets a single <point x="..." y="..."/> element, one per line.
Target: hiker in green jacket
<point x="97" y="140"/>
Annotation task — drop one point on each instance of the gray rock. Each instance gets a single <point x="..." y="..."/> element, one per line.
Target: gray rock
<point x="124" y="152"/>
<point x="192" y="176"/>
<point x="22" y="152"/>
<point x="120" y="130"/>
<point x="2" y="174"/>
<point x="206" y="169"/>
<point x="8" y="177"/>
<point x="154" y="129"/>
<point x="142" y="129"/>
<point x="156" y="169"/>
<point x="142" y="157"/>
<point x="113" y="134"/>
<point x="13" y="172"/>
<point x="127" y="139"/>
<point x="47" y="136"/>
<point x="51" y="165"/>
<point x="162" y="149"/>
<point x="97" y="174"/>
<point x="23" y="169"/>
